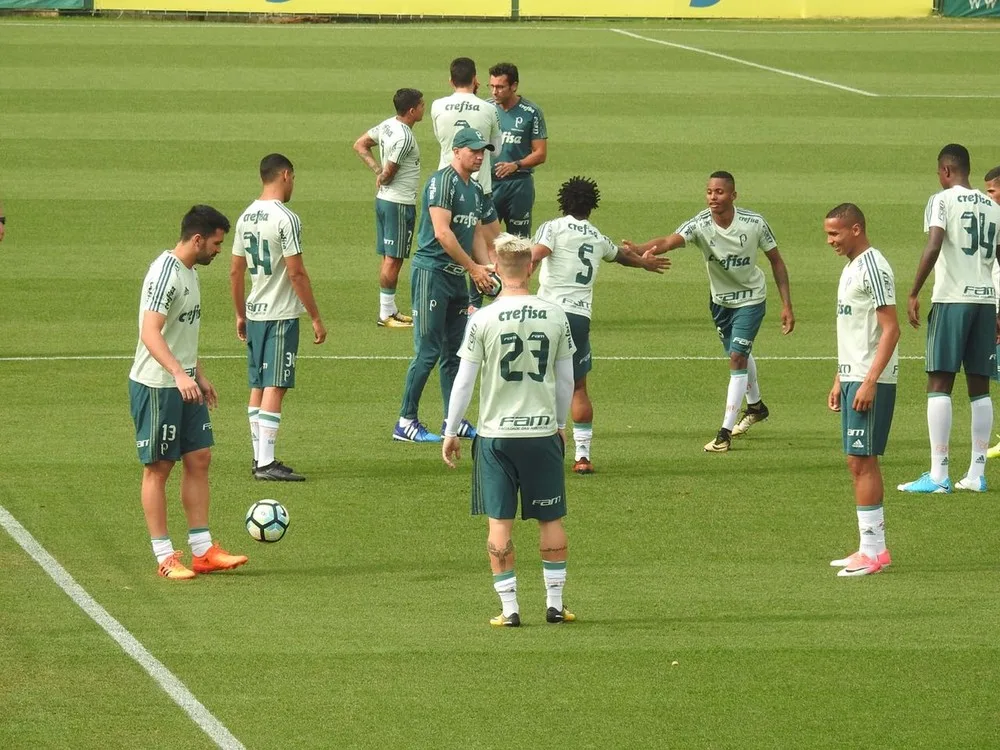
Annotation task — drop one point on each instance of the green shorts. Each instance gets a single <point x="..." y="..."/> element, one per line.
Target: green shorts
<point x="579" y="328"/>
<point x="738" y="326"/>
<point x="514" y="200"/>
<point x="272" y="349"/>
<point x="866" y="433"/>
<point x="996" y="365"/>
<point x="961" y="335"/>
<point x="394" y="228"/>
<point x="165" y="427"/>
<point x="503" y="466"/>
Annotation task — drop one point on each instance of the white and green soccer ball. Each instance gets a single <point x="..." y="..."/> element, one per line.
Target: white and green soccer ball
<point x="267" y="521"/>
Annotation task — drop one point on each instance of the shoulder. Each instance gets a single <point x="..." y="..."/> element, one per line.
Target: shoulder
<point x="165" y="264"/>
<point x="746" y="216"/>
<point x="529" y="106"/>
<point x="878" y="261"/>
<point x="286" y="214"/>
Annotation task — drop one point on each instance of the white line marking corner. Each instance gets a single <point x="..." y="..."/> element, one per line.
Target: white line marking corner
<point x="172" y="686"/>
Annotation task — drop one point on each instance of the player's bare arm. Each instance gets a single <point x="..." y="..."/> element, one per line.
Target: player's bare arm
<point x="363" y="148"/>
<point x="889" y="323"/>
<point x="207" y="389"/>
<point x="482" y="245"/>
<point x="656" y="246"/>
<point x="237" y="289"/>
<point x="833" y="397"/>
<point x="303" y="289"/>
<point x="652" y="263"/>
<point x="930" y="255"/>
<point x="441" y="219"/>
<point x="539" y="152"/>
<point x="780" y="271"/>
<point x="151" y="335"/>
<point x="388" y="174"/>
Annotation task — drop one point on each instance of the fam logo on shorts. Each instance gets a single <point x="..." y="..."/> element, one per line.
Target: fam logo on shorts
<point x="548" y="501"/>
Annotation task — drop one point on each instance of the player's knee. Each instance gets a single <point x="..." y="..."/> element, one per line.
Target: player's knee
<point x="197" y="462"/>
<point x="738" y="361"/>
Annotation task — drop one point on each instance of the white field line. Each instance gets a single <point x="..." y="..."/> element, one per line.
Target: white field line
<point x="173" y="687"/>
<point x="748" y="63"/>
<point x="392" y="358"/>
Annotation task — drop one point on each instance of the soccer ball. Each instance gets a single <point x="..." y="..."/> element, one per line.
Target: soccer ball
<point x="267" y="521"/>
<point x="497" y="285"/>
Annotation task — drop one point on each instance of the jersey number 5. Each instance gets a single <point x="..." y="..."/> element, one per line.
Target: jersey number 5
<point x="517" y="348"/>
<point x="587" y="274"/>
<point x="259" y="252"/>
<point x="982" y="234"/>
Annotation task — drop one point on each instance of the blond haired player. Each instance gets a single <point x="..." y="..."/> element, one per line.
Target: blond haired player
<point x="962" y="326"/>
<point x="524" y="348"/>
<point x="268" y="243"/>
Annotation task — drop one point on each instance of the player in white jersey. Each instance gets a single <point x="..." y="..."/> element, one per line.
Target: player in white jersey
<point x="396" y="182"/>
<point x="729" y="239"/>
<point x="268" y="243"/>
<point x="169" y="396"/>
<point x="962" y="326"/>
<point x="570" y="249"/>
<point x="524" y="347"/>
<point x="864" y="388"/>
<point x="463" y="109"/>
<point x="992" y="180"/>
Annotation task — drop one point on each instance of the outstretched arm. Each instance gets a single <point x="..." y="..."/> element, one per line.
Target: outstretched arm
<point x="650" y="262"/>
<point x="657" y="246"/>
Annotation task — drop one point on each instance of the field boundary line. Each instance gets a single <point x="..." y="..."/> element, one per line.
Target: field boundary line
<point x="166" y="679"/>
<point x="400" y="358"/>
<point x="748" y="63"/>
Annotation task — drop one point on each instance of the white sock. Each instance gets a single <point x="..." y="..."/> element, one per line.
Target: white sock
<point x="753" y="387"/>
<point x="406" y="421"/>
<point x="269" y="423"/>
<point x="199" y="540"/>
<point x="554" y="574"/>
<point x="734" y="398"/>
<point x="162" y="548"/>
<point x="252" y="412"/>
<point x="939" y="429"/>
<point x="982" y="426"/>
<point x="583" y="433"/>
<point x="505" y="584"/>
<point x="386" y="305"/>
<point x="871" y="525"/>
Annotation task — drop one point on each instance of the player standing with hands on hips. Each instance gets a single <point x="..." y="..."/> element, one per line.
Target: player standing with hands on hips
<point x="524" y="348"/>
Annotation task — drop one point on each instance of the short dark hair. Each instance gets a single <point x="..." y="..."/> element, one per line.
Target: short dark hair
<point x="578" y="196"/>
<point x="406" y="99"/>
<point x="721" y="174"/>
<point x="993" y="174"/>
<point x="849" y="213"/>
<point x="957" y="156"/>
<point x="505" y="69"/>
<point x="203" y="220"/>
<point x="273" y="165"/>
<point x="463" y="70"/>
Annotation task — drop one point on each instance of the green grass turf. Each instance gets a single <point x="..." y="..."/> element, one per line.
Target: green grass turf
<point x="366" y="627"/>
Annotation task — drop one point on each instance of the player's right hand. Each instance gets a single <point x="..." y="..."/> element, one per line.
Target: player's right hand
<point x="451" y="451"/>
<point x="655" y="263"/>
<point x="241" y="329"/>
<point x="481" y="278"/>
<point x="913" y="311"/>
<point x="319" y="331"/>
<point x="833" y="398"/>
<point x="190" y="392"/>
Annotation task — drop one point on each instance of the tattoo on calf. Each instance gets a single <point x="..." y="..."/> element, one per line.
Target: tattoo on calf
<point x="501" y="554"/>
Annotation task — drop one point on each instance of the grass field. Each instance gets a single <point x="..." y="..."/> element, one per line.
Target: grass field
<point x="366" y="627"/>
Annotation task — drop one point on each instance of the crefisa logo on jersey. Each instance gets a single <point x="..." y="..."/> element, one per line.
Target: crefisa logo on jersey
<point x="511" y="138"/>
<point x="732" y="261"/>
<point x="257" y="216"/>
<point x="461" y="107"/>
<point x="191" y="316"/>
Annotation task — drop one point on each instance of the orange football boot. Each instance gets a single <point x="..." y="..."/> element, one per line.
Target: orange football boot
<point x="217" y="559"/>
<point x="174" y="569"/>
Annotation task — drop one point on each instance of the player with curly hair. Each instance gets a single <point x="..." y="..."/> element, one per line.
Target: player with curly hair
<point x="567" y="249"/>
